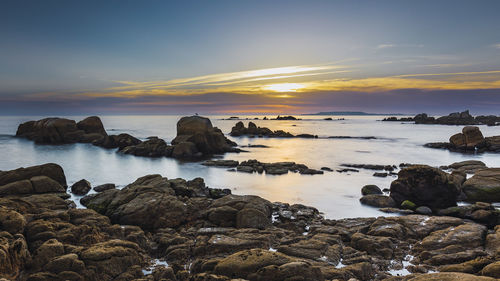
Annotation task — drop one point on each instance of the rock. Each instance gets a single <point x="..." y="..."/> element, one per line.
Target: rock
<point x="407" y="204"/>
<point x="104" y="187"/>
<point x="199" y="130"/>
<point x="92" y="125"/>
<point x="51" y="131"/>
<point x="380" y="175"/>
<point x="244" y="263"/>
<point x="492" y="270"/>
<point x="469" y="166"/>
<point x="473" y="136"/>
<point x="11" y="221"/>
<point x="381" y="246"/>
<point x="50" y="170"/>
<point x="252" y="218"/>
<point x="185" y="150"/>
<point x="300" y="271"/>
<point x="370" y="189"/>
<point x="483" y="186"/>
<point x="221" y="163"/>
<point x="153" y="147"/>
<point x="423" y="210"/>
<point x="457" y="118"/>
<point x="69" y="262"/>
<point x="310" y="172"/>
<point x="289" y="117"/>
<point x="326" y="169"/>
<point x="377" y="200"/>
<point x="252" y="130"/>
<point x="112" y="258"/>
<point x="446" y="276"/>
<point x="118" y="141"/>
<point x="81" y="187"/>
<point x="425" y="186"/>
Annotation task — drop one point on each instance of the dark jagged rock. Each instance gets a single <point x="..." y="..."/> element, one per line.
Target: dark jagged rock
<point x="425" y="186"/>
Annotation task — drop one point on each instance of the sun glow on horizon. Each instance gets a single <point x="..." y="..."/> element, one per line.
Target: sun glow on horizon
<point x="284" y="87"/>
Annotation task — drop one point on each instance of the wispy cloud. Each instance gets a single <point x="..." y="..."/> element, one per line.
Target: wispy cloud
<point x="497" y="46"/>
<point x="390" y="45"/>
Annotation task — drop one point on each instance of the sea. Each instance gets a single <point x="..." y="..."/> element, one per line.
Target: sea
<point x="334" y="194"/>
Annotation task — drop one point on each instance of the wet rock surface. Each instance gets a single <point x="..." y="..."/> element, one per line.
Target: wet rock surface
<point x="172" y="229"/>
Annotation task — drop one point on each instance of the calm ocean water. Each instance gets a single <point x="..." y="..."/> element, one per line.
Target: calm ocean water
<point x="334" y="194"/>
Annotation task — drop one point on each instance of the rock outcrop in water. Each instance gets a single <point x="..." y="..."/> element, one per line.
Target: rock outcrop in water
<point x="171" y="229"/>
<point x="240" y="130"/>
<point x="61" y="130"/>
<point x="254" y="166"/>
<point x="456" y="118"/>
<point x="196" y="137"/>
<point x="470" y="140"/>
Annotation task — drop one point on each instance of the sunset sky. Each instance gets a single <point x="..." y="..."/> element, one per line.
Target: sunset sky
<point x="166" y="57"/>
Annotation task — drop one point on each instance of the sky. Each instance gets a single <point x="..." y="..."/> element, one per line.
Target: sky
<point x="249" y="57"/>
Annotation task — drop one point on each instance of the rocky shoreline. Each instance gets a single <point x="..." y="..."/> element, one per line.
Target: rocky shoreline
<point x="173" y="229"/>
<point x="455" y="118"/>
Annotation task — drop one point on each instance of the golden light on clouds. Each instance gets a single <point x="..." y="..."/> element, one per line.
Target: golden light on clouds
<point x="284" y="87"/>
<point x="286" y="80"/>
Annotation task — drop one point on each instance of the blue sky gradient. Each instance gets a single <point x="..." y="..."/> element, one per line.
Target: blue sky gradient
<point x="80" y="54"/>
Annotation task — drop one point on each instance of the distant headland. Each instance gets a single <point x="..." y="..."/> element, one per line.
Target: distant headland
<point x="352" y="113"/>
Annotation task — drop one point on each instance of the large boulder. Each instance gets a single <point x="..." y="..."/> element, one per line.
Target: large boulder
<point x="483" y="186"/>
<point x="81" y="187"/>
<point x="470" y="138"/>
<point x="425" y="186"/>
<point x="51" y="131"/>
<point x="50" y="170"/>
<point x="92" y="125"/>
<point x="150" y="202"/>
<point x="199" y="130"/>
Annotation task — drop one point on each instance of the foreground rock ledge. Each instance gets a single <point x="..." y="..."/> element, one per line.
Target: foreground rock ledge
<point x="172" y="229"/>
